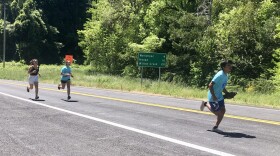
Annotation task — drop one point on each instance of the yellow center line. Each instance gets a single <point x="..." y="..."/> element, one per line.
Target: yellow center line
<point x="161" y="106"/>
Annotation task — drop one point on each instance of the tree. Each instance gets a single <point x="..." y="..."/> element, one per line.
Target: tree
<point x="10" y="46"/>
<point x="28" y="33"/>
<point x="246" y="34"/>
<point x="34" y="37"/>
<point x="68" y="16"/>
<point x="241" y="30"/>
<point x="107" y="35"/>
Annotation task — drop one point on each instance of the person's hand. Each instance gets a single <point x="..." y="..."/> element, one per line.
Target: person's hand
<point x="215" y="98"/>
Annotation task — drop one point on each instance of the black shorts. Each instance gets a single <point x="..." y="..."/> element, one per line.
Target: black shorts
<point x="217" y="106"/>
<point x="63" y="81"/>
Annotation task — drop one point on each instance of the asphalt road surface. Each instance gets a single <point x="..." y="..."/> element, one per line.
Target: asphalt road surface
<point x="114" y="123"/>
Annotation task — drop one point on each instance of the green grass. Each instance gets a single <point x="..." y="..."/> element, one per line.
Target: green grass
<point x="84" y="76"/>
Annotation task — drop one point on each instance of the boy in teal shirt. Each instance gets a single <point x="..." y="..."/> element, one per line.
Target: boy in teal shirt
<point x="215" y="96"/>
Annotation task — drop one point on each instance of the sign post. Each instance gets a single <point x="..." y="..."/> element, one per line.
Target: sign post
<point x="154" y="60"/>
<point x="4" y="37"/>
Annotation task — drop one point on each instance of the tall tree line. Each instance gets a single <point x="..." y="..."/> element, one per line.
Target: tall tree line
<point x="44" y="29"/>
<point x="108" y="34"/>
<point x="241" y="30"/>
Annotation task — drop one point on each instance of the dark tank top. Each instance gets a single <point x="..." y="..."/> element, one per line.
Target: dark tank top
<point x="37" y="71"/>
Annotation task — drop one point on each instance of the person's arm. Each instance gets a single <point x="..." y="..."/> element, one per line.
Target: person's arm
<point x="66" y="74"/>
<point x="30" y="71"/>
<point x="211" y="85"/>
<point x="70" y="73"/>
<point x="38" y="72"/>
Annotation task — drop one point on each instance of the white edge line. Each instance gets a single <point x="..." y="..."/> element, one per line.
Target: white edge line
<point x="205" y="149"/>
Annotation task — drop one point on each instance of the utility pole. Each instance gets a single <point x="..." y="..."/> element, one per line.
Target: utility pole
<point x="205" y="9"/>
<point x="4" y="38"/>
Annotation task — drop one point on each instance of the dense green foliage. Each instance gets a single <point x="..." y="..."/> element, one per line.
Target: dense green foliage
<point x="43" y="29"/>
<point x="67" y="16"/>
<point x="108" y="34"/>
<point x="241" y="30"/>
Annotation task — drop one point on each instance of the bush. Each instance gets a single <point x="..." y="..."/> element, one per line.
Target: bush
<point x="261" y="86"/>
<point x="130" y="71"/>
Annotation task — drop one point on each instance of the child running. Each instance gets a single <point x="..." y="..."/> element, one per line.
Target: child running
<point x="215" y="97"/>
<point x="66" y="74"/>
<point x="33" y="79"/>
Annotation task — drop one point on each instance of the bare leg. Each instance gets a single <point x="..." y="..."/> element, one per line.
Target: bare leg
<point x="220" y="116"/>
<point x="68" y="88"/>
<point x="208" y="106"/>
<point x="62" y="85"/>
<point x="36" y="88"/>
<point x="30" y="86"/>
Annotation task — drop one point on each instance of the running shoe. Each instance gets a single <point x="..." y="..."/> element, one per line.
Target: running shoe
<point x="215" y="129"/>
<point x="69" y="97"/>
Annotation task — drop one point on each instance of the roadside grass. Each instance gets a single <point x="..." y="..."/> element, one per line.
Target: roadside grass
<point x="84" y="76"/>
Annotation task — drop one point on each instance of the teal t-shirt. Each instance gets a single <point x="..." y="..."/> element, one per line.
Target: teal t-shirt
<point x="65" y="70"/>
<point x="220" y="80"/>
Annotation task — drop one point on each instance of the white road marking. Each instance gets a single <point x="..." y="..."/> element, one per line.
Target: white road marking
<point x="179" y="142"/>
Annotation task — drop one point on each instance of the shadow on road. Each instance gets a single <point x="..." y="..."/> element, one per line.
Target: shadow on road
<point x="37" y="99"/>
<point x="234" y="135"/>
<point x="69" y="100"/>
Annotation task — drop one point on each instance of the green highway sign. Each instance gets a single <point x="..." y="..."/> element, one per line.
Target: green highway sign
<point x="157" y="60"/>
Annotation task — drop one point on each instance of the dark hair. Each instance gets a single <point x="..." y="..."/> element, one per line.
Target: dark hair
<point x="225" y="62"/>
<point x="31" y="62"/>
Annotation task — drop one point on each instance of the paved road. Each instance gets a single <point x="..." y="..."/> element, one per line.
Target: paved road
<point x="108" y="122"/>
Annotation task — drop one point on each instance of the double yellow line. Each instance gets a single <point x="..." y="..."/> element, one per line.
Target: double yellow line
<point x="162" y="106"/>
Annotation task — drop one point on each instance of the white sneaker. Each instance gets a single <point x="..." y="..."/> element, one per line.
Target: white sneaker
<point x="202" y="106"/>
